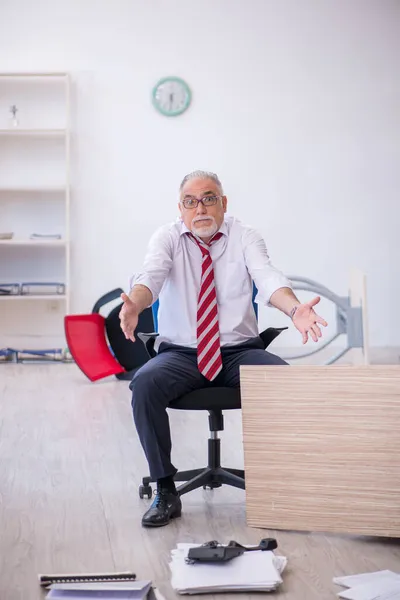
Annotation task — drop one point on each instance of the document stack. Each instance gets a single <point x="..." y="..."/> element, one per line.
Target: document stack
<point x="103" y="587"/>
<point x="379" y="585"/>
<point x="252" y="571"/>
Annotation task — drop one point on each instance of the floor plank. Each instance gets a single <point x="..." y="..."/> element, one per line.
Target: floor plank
<point x="70" y="466"/>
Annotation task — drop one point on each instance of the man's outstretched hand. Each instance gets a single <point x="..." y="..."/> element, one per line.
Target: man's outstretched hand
<point x="306" y="320"/>
<point x="129" y="317"/>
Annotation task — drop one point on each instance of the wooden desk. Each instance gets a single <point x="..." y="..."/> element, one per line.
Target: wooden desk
<point x="322" y="448"/>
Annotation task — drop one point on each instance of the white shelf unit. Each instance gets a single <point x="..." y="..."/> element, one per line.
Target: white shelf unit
<point x="34" y="199"/>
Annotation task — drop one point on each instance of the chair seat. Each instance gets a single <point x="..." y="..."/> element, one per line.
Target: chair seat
<point x="218" y="398"/>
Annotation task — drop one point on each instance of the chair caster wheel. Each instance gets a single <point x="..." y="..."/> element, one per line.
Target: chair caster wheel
<point x="145" y="490"/>
<point x="211" y="486"/>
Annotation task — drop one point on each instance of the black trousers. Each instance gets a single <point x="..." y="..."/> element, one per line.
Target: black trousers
<point x="171" y="374"/>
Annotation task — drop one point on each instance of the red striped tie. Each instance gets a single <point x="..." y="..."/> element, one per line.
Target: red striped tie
<point x="209" y="358"/>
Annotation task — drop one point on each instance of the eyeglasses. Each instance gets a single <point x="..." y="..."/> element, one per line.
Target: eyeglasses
<point x="191" y="202"/>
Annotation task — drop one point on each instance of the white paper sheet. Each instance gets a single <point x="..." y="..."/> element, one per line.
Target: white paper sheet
<point x="370" y="591"/>
<point x="353" y="580"/>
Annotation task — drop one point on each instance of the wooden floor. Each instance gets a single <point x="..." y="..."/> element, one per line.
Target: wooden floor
<point x="70" y="466"/>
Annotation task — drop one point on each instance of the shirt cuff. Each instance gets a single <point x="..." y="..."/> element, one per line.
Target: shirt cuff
<point x="264" y="295"/>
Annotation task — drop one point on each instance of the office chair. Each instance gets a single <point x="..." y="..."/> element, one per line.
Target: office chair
<point x="98" y="345"/>
<point x="215" y="401"/>
<point x="100" y="349"/>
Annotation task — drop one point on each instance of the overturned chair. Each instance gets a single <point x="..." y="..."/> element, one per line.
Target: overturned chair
<point x="98" y="345"/>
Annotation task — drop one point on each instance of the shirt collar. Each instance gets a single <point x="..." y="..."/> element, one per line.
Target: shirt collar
<point x="223" y="229"/>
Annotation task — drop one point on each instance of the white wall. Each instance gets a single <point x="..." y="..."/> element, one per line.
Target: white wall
<point x="295" y="105"/>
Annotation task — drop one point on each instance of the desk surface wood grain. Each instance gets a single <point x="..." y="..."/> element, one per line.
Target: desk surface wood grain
<point x="322" y="448"/>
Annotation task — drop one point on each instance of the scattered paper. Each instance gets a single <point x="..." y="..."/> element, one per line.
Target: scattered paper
<point x="353" y="580"/>
<point x="378" y="585"/>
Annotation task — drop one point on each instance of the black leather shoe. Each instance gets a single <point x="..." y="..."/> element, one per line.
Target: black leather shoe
<point x="166" y="506"/>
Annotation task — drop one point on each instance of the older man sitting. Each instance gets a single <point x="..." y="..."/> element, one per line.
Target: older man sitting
<point x="202" y="269"/>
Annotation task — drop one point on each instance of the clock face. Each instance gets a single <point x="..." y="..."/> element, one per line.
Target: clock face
<point x="171" y="96"/>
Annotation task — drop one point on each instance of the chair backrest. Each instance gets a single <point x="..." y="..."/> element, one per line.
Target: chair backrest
<point x="156" y="305"/>
<point x="128" y="354"/>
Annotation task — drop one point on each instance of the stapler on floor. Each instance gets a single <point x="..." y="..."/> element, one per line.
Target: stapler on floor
<point x="215" y="552"/>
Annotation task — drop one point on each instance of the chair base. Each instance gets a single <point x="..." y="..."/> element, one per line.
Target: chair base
<point x="212" y="476"/>
<point x="209" y="478"/>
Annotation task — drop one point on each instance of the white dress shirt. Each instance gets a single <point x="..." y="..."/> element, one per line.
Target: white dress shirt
<point x="172" y="272"/>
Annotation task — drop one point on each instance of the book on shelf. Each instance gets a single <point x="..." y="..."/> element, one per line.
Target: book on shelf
<point x="10" y="289"/>
<point x="38" y="288"/>
<point x="35" y="355"/>
<point x="45" y="236"/>
<point x="6" y="355"/>
<point x="45" y="355"/>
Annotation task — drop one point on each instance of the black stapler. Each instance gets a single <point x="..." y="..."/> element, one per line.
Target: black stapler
<point x="215" y="552"/>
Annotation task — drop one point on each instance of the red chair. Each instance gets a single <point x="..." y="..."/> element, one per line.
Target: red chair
<point x="98" y="345"/>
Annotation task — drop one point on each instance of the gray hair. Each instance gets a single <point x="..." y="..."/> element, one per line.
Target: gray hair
<point x="202" y="175"/>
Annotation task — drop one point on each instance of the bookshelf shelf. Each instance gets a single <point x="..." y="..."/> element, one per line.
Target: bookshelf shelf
<point x="32" y="190"/>
<point x="33" y="132"/>
<point x="21" y="297"/>
<point x="49" y="243"/>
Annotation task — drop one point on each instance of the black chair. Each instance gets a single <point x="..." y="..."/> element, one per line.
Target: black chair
<point x="215" y="401"/>
<point x="90" y="341"/>
<point x="130" y="355"/>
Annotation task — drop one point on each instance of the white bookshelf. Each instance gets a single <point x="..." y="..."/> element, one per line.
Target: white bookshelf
<point x="34" y="199"/>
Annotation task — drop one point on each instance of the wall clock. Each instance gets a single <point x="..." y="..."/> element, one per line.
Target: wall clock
<point x="171" y="96"/>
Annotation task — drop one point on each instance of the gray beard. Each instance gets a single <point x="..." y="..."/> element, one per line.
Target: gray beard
<point x="205" y="231"/>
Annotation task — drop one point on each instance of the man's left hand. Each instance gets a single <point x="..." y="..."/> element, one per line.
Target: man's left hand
<point x="306" y="320"/>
